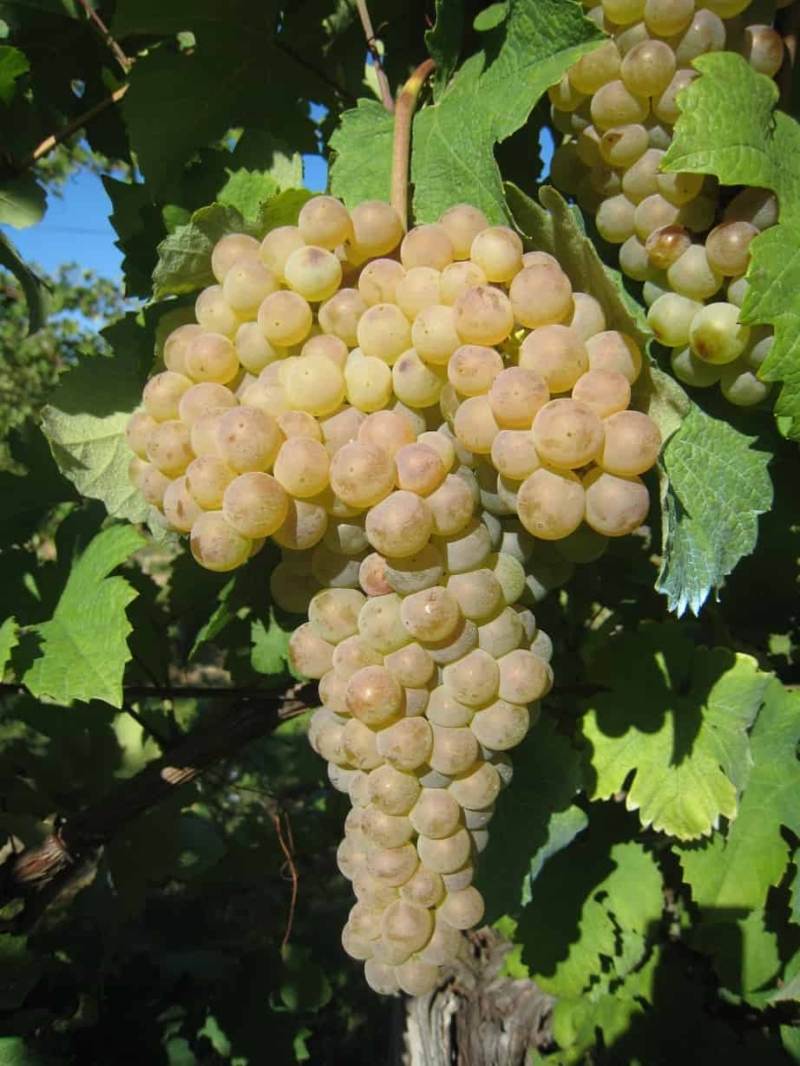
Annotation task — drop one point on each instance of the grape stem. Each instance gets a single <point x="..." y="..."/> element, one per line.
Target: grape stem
<point x="401" y="149"/>
<point x="105" y="35"/>
<point x="372" y="45"/>
<point x="67" y="131"/>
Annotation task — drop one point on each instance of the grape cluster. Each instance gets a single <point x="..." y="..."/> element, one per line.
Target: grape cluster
<point x="616" y="107"/>
<point x="434" y="428"/>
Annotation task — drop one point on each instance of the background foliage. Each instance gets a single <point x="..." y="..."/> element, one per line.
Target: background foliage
<point x="644" y="864"/>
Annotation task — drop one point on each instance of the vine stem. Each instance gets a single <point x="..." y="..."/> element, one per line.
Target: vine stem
<point x="105" y="34"/>
<point x="49" y="143"/>
<point x="401" y="148"/>
<point x="372" y="45"/>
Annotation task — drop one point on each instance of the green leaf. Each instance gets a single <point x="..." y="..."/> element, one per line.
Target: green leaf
<point x="534" y="818"/>
<point x="246" y="190"/>
<point x="361" y="166"/>
<point x="83" y="647"/>
<point x="184" y="257"/>
<point x="23" y="202"/>
<point x="443" y="41"/>
<point x="582" y="909"/>
<point x="737" y="868"/>
<point x="8" y="641"/>
<point x="37" y="292"/>
<point x="270" y="647"/>
<point x="491" y="96"/>
<point x="86" y="418"/>
<point x="674" y="720"/>
<point x="718" y="486"/>
<point x="13" y="64"/>
<point x="730" y="127"/>
<point x="743" y="950"/>
<point x="281" y="210"/>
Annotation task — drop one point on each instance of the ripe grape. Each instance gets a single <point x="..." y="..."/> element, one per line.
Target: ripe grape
<point x="716" y="335"/>
<point x="551" y="503"/>
<point x="377" y="229"/>
<point x="615" y="505"/>
<point x="632" y="443"/>
<point x="483" y="315"/>
<point x="324" y="221"/>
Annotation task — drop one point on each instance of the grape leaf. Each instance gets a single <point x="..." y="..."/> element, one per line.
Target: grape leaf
<point x="37" y="292"/>
<point x="83" y="647"/>
<point x="361" y="166"/>
<point x="86" y="417"/>
<point x="443" y="41"/>
<point x="270" y="646"/>
<point x="529" y="825"/>
<point x="452" y="159"/>
<point x="743" y="949"/>
<point x="674" y="720"/>
<point x="8" y="641"/>
<point x="13" y="64"/>
<point x="184" y="257"/>
<point x="737" y="868"/>
<point x="730" y="127"/>
<point x="584" y="908"/>
<point x="23" y="202"/>
<point x="718" y="485"/>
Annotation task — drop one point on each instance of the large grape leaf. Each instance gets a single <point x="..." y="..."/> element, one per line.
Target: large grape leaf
<point x="86" y="417"/>
<point x="673" y="720"/>
<point x="227" y="79"/>
<point x="535" y="818"/>
<point x="730" y="127"/>
<point x="83" y="648"/>
<point x="489" y="98"/>
<point x="600" y="902"/>
<point x="737" y="868"/>
<point x="13" y="64"/>
<point x="717" y="485"/>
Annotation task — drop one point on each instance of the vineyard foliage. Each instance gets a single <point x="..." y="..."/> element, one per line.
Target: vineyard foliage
<point x="644" y="865"/>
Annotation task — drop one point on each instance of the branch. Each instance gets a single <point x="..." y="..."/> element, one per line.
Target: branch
<point x="49" y="143"/>
<point x="62" y="863"/>
<point x="401" y="148"/>
<point x="372" y="45"/>
<point x="105" y="35"/>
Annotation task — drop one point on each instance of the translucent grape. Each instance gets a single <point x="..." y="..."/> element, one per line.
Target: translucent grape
<point x="693" y="371"/>
<point x="377" y="228"/>
<point x="540" y="295"/>
<point x="623" y="12"/>
<point x="477" y="788"/>
<point x="434" y="335"/>
<point x="716" y="335"/>
<point x="369" y="383"/>
<point x="325" y="221"/>
<point x="451" y="506"/>
<point x="501" y="634"/>
<point x="666" y="245"/>
<point x="419" y="469"/>
<point x="612" y="350"/>
<point x="392" y="866"/>
<point x="400" y="525"/>
<point x="457" y="279"/>
<point x="248" y="439"/>
<point x="285" y="318"/>
<point x="255" y="505"/>
<point x="333" y="570"/>
<point x="415" y="382"/>
<point x="614" y="105"/>
<point x="462" y="223"/>
<point x="604" y="391"/>
<point x="138" y="431"/>
<point x="407" y="744"/>
<point x="648" y="68"/>
<point x="474" y="679"/>
<point x="592" y="71"/>
<point x="216" y="545"/>
<point x="514" y="454"/>
<point x="346" y="537"/>
<point x="301" y="467"/>
<point x="516" y="395"/>
<point x="176" y="344"/>
<point x="588" y="316"/>
<point x="253" y="350"/>
<point x="551" y="503"/>
<point x="420" y="288"/>
<point x="467" y="550"/>
<point x="667" y="17"/>
<point x="385" y="830"/>
<point x="756" y="206"/>
<point x="180" y="509"/>
<point x="247" y="283"/>
<point x="615" y="505"/>
<point x="384" y="331"/>
<point x="232" y="248"/>
<point x="341" y="428"/>
<point x="299" y="424"/>
<point x="426" y="246"/>
<point x="455" y="751"/>
<point x="632" y="444"/>
<point x="416" y="572"/>
<point x="278" y="245"/>
<point x="360" y="475"/>
<point x="739" y="386"/>
<point x="502" y="725"/>
<point x="705" y="33"/>
<point x="464" y="909"/>
<point x="447" y="854"/>
<point x="665" y="106"/>
<point x="670" y="318"/>
<point x="303" y="527"/>
<point x="214" y="313"/>
<point x="475" y="424"/>
<point x="445" y="710"/>
<point x="359" y="746"/>
<point x="378" y="281"/>
<point x="339" y="317"/>
<point x="483" y="315"/>
<point x="162" y="395"/>
<point x="728" y="247"/>
<point x="641" y="179"/>
<point x="497" y="250"/>
<point x="313" y="272"/>
<point x="615" y="219"/>
<point x="567" y="433"/>
<point x="472" y="368"/>
<point x="380" y="977"/>
<point x="393" y="791"/>
<point x="564" y="96"/>
<point x="169" y="447"/>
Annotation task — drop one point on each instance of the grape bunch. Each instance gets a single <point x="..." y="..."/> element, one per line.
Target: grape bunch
<point x="616" y="107"/>
<point x="434" y="428"/>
